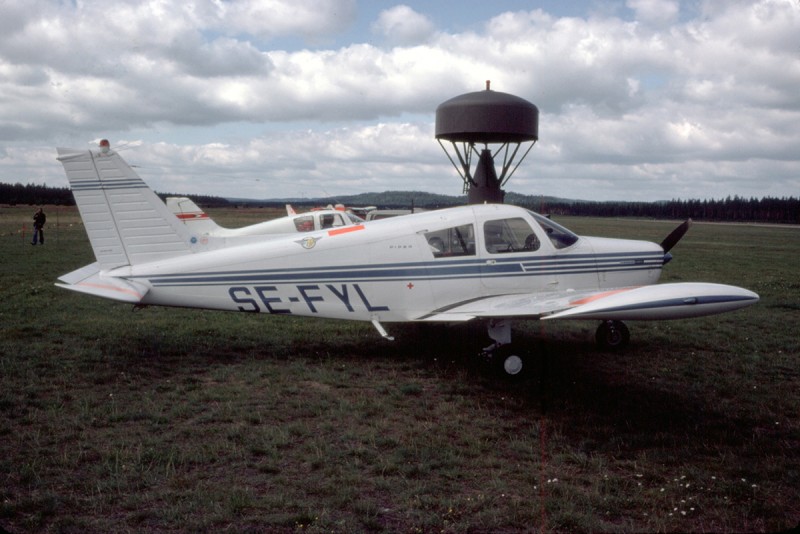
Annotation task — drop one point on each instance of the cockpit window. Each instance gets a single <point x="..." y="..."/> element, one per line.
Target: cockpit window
<point x="354" y="219"/>
<point x="455" y="241"/>
<point x="509" y="235"/>
<point x="559" y="236"/>
<point x="304" y="223"/>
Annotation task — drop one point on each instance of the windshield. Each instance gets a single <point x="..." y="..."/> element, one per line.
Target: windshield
<point x="559" y="236"/>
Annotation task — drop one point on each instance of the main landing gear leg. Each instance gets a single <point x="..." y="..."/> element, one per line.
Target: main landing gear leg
<point x="612" y="335"/>
<point x="501" y="355"/>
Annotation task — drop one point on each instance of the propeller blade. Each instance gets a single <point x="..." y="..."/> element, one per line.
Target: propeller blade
<point x="672" y="239"/>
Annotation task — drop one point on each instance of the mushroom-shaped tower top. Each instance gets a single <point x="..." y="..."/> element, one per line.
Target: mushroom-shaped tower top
<point x="487" y="117"/>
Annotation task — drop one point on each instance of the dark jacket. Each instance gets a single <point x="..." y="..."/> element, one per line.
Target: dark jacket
<point x="39" y="219"/>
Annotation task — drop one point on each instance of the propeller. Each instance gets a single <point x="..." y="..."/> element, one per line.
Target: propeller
<point x="672" y="239"/>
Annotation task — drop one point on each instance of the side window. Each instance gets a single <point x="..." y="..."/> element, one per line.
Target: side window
<point x="455" y="241"/>
<point x="509" y="235"/>
<point x="304" y="223"/>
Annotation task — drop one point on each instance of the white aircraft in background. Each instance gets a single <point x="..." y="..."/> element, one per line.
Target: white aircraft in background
<point x="200" y="223"/>
<point x="490" y="262"/>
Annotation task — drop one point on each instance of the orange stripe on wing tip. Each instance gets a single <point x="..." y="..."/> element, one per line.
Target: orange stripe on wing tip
<point x="345" y="230"/>
<point x="598" y="296"/>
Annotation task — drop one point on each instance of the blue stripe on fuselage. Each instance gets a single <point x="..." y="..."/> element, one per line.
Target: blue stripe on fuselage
<point x="436" y="269"/>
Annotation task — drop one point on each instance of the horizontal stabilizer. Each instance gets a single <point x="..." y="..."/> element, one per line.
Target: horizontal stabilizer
<point x="81" y="274"/>
<point x="91" y="281"/>
<point x="658" y="302"/>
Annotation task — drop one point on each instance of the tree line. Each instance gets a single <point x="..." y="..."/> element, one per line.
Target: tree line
<point x="783" y="210"/>
<point x="42" y="195"/>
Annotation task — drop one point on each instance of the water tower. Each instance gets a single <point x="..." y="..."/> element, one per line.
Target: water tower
<point x="483" y="125"/>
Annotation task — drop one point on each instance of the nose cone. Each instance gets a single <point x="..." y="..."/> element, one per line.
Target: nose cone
<point x="626" y="262"/>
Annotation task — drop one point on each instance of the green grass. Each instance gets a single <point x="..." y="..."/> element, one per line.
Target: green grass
<point x="183" y="420"/>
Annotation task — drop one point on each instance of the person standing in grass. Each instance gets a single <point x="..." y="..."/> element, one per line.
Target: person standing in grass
<point x="39" y="219"/>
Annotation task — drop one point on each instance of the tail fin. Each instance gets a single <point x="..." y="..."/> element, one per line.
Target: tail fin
<point x="126" y="222"/>
<point x="192" y="216"/>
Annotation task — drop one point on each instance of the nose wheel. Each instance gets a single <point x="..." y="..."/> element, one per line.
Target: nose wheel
<point x="505" y="360"/>
<point x="612" y="335"/>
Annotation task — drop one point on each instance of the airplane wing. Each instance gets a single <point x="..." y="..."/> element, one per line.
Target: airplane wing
<point x="90" y="280"/>
<point x="657" y="302"/>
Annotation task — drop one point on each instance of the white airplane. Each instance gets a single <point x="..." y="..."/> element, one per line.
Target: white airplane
<point x="491" y="262"/>
<point x="200" y="223"/>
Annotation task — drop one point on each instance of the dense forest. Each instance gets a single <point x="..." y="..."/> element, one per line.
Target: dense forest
<point x="30" y="194"/>
<point x="785" y="210"/>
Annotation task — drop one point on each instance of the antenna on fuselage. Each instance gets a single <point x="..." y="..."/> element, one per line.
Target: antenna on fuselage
<point x="486" y="124"/>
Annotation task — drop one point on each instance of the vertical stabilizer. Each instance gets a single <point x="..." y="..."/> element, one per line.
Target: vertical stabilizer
<point x="126" y="222"/>
<point x="192" y="215"/>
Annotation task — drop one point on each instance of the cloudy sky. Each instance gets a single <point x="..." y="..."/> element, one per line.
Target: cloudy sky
<point x="638" y="99"/>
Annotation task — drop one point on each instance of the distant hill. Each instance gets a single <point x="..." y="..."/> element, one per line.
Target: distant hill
<point x="387" y="199"/>
<point x="400" y="199"/>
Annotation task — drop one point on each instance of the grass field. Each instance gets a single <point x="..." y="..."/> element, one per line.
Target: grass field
<point x="181" y="420"/>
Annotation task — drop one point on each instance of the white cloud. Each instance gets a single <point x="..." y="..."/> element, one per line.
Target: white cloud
<point x="272" y="18"/>
<point x="401" y="25"/>
<point x="655" y="12"/>
<point x="663" y="103"/>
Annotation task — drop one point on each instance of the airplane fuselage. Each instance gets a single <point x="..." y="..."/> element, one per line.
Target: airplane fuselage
<point x="401" y="269"/>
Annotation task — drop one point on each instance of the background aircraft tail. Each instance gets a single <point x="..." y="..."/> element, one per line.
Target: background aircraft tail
<point x="192" y="215"/>
<point x="126" y="222"/>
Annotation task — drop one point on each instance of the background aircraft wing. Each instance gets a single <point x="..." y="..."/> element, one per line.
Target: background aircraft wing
<point x="664" y="301"/>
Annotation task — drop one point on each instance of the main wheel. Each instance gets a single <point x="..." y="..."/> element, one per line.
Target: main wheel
<point x="612" y="335"/>
<point x="509" y="362"/>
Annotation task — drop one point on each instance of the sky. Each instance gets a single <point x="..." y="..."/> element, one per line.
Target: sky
<point x="639" y="100"/>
